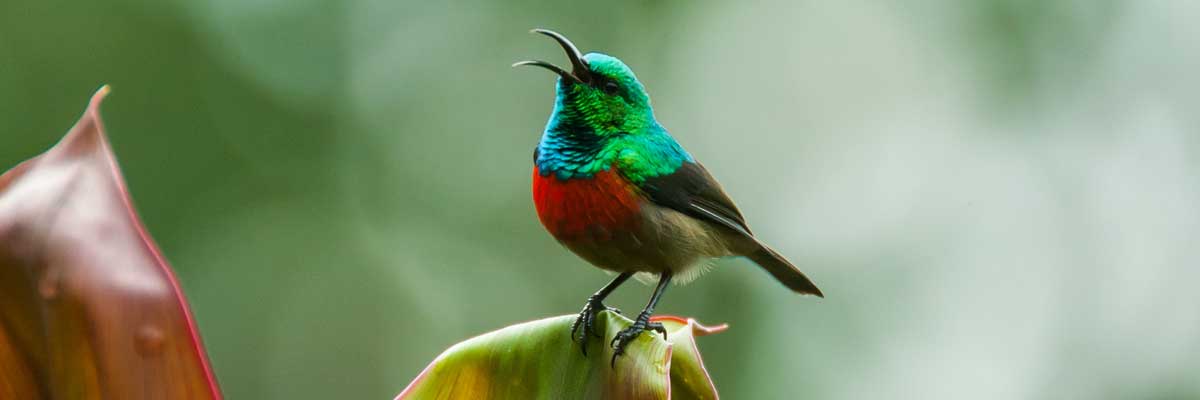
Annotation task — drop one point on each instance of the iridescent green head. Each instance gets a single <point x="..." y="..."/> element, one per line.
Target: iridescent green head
<point x="600" y="92"/>
<point x="602" y="117"/>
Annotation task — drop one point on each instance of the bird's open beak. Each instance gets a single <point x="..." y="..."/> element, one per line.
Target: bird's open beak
<point x="579" y="68"/>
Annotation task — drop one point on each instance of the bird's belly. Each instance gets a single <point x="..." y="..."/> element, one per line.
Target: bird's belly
<point x="606" y="222"/>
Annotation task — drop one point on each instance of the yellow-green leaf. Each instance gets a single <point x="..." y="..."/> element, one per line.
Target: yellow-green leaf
<point x="538" y="360"/>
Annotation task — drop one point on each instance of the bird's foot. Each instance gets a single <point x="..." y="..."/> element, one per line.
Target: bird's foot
<point x="628" y="335"/>
<point x="587" y="321"/>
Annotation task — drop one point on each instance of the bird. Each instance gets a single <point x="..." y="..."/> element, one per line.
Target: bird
<point x="614" y="187"/>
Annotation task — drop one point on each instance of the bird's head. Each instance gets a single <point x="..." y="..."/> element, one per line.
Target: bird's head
<point x="600" y="93"/>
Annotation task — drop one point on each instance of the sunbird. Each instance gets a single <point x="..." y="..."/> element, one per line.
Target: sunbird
<point x="611" y="185"/>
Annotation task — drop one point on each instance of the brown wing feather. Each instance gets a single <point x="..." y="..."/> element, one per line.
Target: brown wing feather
<point x="693" y="191"/>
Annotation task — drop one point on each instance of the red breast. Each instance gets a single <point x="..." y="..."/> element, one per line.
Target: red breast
<point x="573" y="207"/>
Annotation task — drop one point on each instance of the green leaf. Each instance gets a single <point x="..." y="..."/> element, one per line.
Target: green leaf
<point x="89" y="309"/>
<point x="538" y="360"/>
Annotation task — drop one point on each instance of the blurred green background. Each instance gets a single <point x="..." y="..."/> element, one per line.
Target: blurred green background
<point x="1001" y="198"/>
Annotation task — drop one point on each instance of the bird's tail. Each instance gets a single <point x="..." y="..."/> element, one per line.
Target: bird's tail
<point x="783" y="271"/>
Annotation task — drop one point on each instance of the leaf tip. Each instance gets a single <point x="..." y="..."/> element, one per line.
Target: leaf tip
<point x="698" y="329"/>
<point x="99" y="96"/>
<point x="704" y="330"/>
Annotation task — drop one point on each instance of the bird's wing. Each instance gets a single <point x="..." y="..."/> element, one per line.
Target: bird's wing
<point x="693" y="191"/>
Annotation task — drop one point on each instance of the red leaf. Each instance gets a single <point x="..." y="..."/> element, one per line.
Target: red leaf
<point x="89" y="308"/>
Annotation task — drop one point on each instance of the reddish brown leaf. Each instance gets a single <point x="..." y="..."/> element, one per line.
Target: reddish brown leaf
<point x="89" y="309"/>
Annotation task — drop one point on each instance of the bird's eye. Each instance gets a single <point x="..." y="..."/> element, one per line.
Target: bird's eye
<point x="611" y="87"/>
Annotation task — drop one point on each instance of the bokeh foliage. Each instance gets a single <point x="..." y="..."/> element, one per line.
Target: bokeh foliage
<point x="998" y="196"/>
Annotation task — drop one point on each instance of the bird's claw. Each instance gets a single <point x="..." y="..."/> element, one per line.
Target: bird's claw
<point x="587" y="321"/>
<point x="628" y="335"/>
